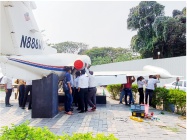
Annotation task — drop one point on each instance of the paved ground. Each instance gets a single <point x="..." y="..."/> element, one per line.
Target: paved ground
<point x="109" y="118"/>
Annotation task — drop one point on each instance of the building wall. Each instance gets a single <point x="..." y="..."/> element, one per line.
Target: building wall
<point x="175" y="65"/>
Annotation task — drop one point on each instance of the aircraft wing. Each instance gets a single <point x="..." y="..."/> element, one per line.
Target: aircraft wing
<point x="127" y="73"/>
<point x="119" y="77"/>
<point x="101" y="80"/>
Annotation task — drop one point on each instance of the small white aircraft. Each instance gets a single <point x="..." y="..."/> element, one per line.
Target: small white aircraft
<point x="24" y="54"/>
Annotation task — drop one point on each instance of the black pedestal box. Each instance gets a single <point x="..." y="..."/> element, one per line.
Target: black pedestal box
<point x="45" y="97"/>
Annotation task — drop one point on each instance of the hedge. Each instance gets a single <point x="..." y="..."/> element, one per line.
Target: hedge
<point x="25" y="132"/>
<point x="161" y="96"/>
<point x="114" y="90"/>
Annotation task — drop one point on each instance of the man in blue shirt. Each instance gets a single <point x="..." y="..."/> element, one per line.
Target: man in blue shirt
<point x="68" y="91"/>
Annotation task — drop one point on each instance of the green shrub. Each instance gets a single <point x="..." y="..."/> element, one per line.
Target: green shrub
<point x="134" y="91"/>
<point x="87" y="136"/>
<point x="25" y="132"/>
<point x="114" y="90"/>
<point x="178" y="98"/>
<point x="165" y="97"/>
<point x="160" y="96"/>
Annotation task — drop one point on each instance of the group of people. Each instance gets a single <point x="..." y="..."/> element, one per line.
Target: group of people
<point x="81" y="90"/>
<point x="24" y="87"/>
<point x="150" y="84"/>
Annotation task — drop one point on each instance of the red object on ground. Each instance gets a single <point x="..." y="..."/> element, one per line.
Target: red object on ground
<point x="152" y="113"/>
<point x="78" y="64"/>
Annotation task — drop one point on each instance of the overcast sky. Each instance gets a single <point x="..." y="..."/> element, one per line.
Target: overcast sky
<point x="95" y="23"/>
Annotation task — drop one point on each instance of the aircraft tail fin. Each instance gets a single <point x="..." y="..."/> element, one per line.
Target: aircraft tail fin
<point x="19" y="30"/>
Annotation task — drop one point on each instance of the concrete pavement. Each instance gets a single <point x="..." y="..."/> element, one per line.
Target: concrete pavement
<point x="110" y="118"/>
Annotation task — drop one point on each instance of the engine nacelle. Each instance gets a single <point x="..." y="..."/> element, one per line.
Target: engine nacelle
<point x="164" y="74"/>
<point x="79" y="64"/>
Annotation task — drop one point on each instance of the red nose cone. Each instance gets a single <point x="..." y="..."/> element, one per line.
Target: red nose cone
<point x="78" y="64"/>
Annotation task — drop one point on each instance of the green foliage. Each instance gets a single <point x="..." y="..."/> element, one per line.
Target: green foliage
<point x="157" y="33"/>
<point x="178" y="98"/>
<point x="161" y="95"/>
<point x="25" y="132"/>
<point x="87" y="136"/>
<point x="141" y="18"/>
<point x="104" y="55"/>
<point x="71" y="47"/>
<point x="134" y="90"/>
<point x="114" y="90"/>
<point x="170" y="96"/>
<point x="170" y="37"/>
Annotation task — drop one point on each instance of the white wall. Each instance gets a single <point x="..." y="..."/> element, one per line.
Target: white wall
<point x="175" y="65"/>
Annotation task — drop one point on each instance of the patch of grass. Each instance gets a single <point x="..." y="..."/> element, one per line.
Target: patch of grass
<point x="173" y="129"/>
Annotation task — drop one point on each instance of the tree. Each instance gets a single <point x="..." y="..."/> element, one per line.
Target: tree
<point x="71" y="47"/>
<point x="141" y="18"/>
<point x="156" y="32"/>
<point x="104" y="55"/>
<point x="170" y="33"/>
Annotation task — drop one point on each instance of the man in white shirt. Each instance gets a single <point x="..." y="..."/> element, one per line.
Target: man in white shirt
<point x="8" y="89"/>
<point x="83" y="91"/>
<point x="91" y="90"/>
<point x="150" y="88"/>
<point x="140" y="83"/>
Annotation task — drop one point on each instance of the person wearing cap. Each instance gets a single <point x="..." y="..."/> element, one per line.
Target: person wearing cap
<point x="68" y="91"/>
<point x="83" y="91"/>
<point x="91" y="89"/>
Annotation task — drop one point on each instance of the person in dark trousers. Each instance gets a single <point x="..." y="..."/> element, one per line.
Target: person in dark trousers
<point x="21" y="88"/>
<point x="73" y="91"/>
<point x="68" y="91"/>
<point x="28" y="88"/>
<point x="91" y="90"/>
<point x="140" y="84"/>
<point x="128" y="89"/>
<point x="76" y="96"/>
<point x="8" y="89"/>
<point x="122" y="93"/>
<point x="150" y="88"/>
<point x="83" y="91"/>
